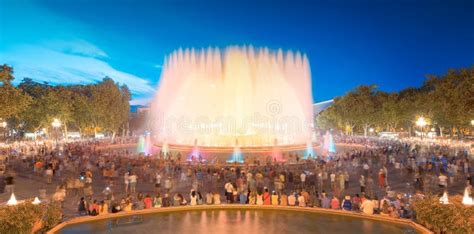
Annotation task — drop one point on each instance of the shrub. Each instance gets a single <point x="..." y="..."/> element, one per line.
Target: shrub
<point x="20" y="218"/>
<point x="444" y="218"/>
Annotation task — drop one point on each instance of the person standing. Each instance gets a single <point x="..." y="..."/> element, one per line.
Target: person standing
<point x="362" y="183"/>
<point x="126" y="181"/>
<point x="133" y="182"/>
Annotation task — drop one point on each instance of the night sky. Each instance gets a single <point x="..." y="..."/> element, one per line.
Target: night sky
<point x="393" y="44"/>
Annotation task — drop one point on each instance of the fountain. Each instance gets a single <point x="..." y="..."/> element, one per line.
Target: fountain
<point x="194" y="155"/>
<point x="239" y="93"/>
<point x="309" y="151"/>
<point x="237" y="156"/>
<point x="328" y="145"/>
<point x="145" y="144"/>
<point x="141" y="144"/>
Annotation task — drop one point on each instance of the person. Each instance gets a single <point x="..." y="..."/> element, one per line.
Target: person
<point x="82" y="207"/>
<point x="116" y="207"/>
<point x="346" y="203"/>
<point x="381" y="179"/>
<point x="49" y="175"/>
<point x="367" y="206"/>
<point x="283" y="199"/>
<point x="334" y="203"/>
<point x="301" y="201"/>
<point x="200" y="199"/>
<point x="157" y="201"/>
<point x="303" y="179"/>
<point x="229" y="189"/>
<point x="133" y="182"/>
<point x="157" y="182"/>
<point x="274" y="198"/>
<point x="292" y="199"/>
<point x="103" y="208"/>
<point x="243" y="197"/>
<point x="385" y="211"/>
<point x="148" y="202"/>
<point x="217" y="199"/>
<point x="259" y="199"/>
<point x="94" y="208"/>
<point x="325" y="201"/>
<point x="442" y="181"/>
<point x="193" y="198"/>
<point x="266" y="197"/>
<point x="176" y="200"/>
<point x="252" y="198"/>
<point x="166" y="201"/>
<point x="362" y="183"/>
<point x="128" y="206"/>
<point x="209" y="198"/>
<point x="168" y="184"/>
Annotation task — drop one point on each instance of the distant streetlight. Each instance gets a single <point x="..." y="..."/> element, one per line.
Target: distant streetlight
<point x="472" y="122"/>
<point x="421" y="122"/>
<point x="56" y="123"/>
<point x="4" y="124"/>
<point x="371" y="130"/>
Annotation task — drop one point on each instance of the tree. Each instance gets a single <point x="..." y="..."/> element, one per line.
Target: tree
<point x="12" y="100"/>
<point x="6" y="74"/>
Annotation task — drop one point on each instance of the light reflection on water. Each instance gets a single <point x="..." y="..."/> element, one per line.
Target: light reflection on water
<point x="242" y="222"/>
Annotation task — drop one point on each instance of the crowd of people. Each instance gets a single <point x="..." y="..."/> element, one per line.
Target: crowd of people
<point x="372" y="176"/>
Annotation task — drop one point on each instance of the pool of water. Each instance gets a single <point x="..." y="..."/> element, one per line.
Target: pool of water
<point x="238" y="221"/>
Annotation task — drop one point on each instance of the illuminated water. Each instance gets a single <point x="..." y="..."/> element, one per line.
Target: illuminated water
<point x="241" y="221"/>
<point x="239" y="94"/>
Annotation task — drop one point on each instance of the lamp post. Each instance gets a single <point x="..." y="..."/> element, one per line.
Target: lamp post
<point x="421" y="122"/>
<point x="56" y="124"/>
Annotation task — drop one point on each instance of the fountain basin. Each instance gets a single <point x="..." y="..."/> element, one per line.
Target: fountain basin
<point x="238" y="219"/>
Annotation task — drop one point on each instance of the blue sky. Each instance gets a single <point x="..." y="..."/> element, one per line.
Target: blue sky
<point x="393" y="44"/>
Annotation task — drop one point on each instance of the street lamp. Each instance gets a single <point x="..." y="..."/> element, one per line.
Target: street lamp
<point x="56" y="124"/>
<point x="421" y="122"/>
<point x="371" y="130"/>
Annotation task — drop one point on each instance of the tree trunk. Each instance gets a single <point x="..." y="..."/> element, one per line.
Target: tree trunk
<point x="441" y="131"/>
<point x="65" y="131"/>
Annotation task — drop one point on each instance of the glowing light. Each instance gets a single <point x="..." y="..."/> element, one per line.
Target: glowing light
<point x="309" y="151"/>
<point x="3" y="124"/>
<point x="36" y="201"/>
<point x="444" y="199"/>
<point x="237" y="156"/>
<point x="466" y="199"/>
<point x="56" y="123"/>
<point x="251" y="94"/>
<point x="421" y="122"/>
<point x="371" y="130"/>
<point x="12" y="201"/>
<point x="328" y="144"/>
<point x="141" y="145"/>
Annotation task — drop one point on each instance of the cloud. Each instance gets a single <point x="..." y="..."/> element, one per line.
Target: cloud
<point x="141" y="101"/>
<point x="69" y="63"/>
<point x="78" y="47"/>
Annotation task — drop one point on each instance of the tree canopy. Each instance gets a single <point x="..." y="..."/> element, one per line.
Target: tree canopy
<point x="446" y="100"/>
<point x="88" y="108"/>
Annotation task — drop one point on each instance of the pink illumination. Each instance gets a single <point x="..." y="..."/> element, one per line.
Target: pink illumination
<point x="238" y="93"/>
